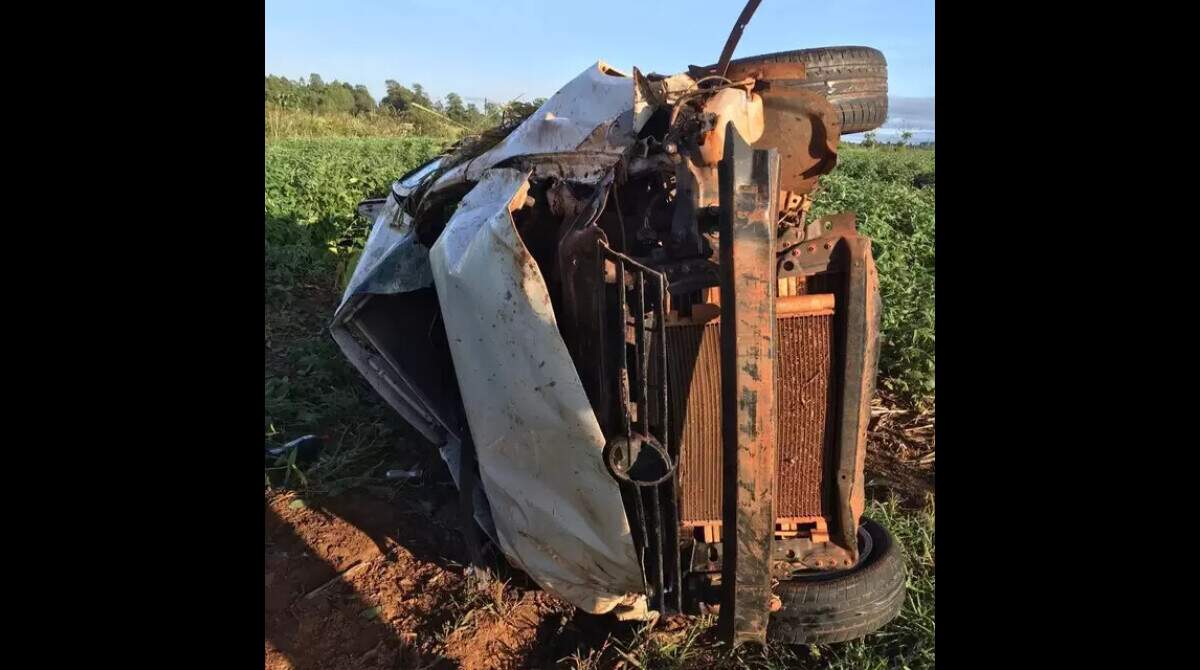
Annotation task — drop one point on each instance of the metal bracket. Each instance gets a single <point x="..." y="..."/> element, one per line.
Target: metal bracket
<point x="859" y="321"/>
<point x="809" y="251"/>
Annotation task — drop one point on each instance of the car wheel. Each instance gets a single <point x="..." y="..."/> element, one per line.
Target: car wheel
<point x="835" y="606"/>
<point x="852" y="79"/>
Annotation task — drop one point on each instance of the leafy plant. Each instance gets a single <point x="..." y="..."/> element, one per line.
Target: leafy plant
<point x="898" y="216"/>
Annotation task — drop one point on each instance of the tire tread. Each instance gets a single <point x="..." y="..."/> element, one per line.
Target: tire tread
<point x="831" y="71"/>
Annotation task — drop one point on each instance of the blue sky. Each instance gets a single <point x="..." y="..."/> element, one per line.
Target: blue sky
<point x="500" y="49"/>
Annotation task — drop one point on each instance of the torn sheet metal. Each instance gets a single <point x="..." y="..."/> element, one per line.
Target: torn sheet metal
<point x="392" y="261"/>
<point x="557" y="510"/>
<point x="592" y="114"/>
<point x="645" y="100"/>
<point x="649" y="95"/>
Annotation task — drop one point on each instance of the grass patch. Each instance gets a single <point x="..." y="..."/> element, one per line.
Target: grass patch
<point x="892" y="193"/>
<point x="312" y="230"/>
<point x="312" y="188"/>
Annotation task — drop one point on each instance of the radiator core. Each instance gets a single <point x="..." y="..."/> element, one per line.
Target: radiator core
<point x="805" y="433"/>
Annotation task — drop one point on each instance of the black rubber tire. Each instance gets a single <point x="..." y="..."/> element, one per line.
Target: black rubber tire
<point x="840" y="606"/>
<point x="852" y="79"/>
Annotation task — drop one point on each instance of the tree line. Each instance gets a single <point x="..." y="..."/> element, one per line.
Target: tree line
<point x="337" y="97"/>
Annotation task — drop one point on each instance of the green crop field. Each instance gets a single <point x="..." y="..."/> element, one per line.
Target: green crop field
<point x="312" y="233"/>
<point x="892" y="193"/>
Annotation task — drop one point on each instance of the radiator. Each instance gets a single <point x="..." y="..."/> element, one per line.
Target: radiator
<point x="694" y="392"/>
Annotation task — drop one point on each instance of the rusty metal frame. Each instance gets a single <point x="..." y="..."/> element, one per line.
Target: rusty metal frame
<point x="789" y="555"/>
<point x="811" y="250"/>
<point x="859" y="349"/>
<point x="806" y="129"/>
<point x="749" y="195"/>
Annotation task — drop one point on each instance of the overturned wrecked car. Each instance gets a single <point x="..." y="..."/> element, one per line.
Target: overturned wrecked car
<point x="648" y="368"/>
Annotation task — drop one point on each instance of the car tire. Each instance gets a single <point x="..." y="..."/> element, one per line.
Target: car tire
<point x="852" y="79"/>
<point x="843" y="605"/>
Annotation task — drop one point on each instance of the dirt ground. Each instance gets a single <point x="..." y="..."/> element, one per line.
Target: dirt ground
<point x="372" y="580"/>
<point x="376" y="578"/>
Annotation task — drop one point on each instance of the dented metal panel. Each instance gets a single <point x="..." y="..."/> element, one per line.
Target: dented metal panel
<point x="556" y="508"/>
<point x="592" y="114"/>
<point x="391" y="261"/>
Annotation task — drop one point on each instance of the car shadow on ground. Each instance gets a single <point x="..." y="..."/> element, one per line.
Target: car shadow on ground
<point x="363" y="579"/>
<point x="305" y="597"/>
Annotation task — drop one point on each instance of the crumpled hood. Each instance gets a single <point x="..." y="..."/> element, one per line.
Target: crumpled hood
<point x="557" y="510"/>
